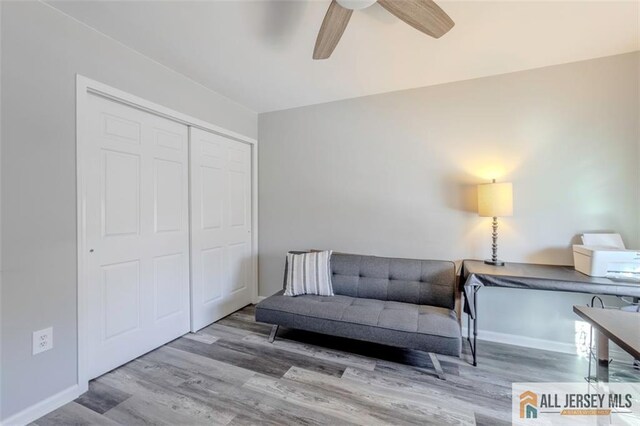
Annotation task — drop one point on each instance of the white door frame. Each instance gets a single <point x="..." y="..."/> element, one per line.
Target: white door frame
<point x="85" y="86"/>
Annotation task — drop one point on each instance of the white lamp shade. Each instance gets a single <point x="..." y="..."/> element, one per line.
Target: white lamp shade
<point x="495" y="199"/>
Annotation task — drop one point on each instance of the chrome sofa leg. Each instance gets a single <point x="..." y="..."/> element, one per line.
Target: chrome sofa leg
<point x="437" y="366"/>
<point x="272" y="336"/>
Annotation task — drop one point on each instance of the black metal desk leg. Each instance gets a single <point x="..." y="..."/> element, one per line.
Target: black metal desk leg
<point x="473" y="343"/>
<point x="475" y="328"/>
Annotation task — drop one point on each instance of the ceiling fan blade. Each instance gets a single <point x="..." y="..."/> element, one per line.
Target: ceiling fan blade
<point x="333" y="25"/>
<point x="423" y="15"/>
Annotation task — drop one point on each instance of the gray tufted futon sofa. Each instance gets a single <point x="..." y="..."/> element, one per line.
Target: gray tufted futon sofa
<point x="398" y="302"/>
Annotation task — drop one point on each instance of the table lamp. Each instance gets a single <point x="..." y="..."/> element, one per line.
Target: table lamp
<point x="495" y="200"/>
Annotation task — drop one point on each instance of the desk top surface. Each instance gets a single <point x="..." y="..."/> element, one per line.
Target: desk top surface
<point x="539" y="272"/>
<point x="476" y="274"/>
<point x="621" y="327"/>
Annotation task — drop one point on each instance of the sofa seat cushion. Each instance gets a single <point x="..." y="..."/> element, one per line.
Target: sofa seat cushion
<point x="388" y="322"/>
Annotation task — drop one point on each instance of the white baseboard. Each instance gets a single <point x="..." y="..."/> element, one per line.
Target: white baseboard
<point x="532" y="342"/>
<point x="259" y="299"/>
<point x="42" y="408"/>
<point x="528" y="342"/>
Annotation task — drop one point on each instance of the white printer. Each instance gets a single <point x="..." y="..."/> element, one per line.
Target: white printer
<point x="604" y="255"/>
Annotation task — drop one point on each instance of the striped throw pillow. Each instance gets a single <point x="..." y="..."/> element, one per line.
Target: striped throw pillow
<point x="308" y="273"/>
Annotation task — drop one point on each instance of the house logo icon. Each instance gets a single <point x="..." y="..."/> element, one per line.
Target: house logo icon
<point x="528" y="405"/>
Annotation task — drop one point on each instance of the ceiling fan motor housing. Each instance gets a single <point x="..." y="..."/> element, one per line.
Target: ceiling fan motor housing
<point x="356" y="4"/>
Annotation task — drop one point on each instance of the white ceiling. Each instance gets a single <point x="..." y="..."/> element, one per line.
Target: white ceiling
<point x="258" y="53"/>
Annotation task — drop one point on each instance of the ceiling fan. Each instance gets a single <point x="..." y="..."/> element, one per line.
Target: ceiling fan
<point x="423" y="15"/>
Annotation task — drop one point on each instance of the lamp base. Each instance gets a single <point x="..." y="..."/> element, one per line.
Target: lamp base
<point x="494" y="262"/>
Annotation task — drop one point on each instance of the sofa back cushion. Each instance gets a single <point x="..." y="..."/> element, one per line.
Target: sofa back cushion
<point x="423" y="282"/>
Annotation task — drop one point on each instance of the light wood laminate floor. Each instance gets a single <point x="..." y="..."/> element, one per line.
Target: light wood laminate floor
<point x="229" y="374"/>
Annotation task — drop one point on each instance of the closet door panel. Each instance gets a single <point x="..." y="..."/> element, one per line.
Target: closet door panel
<point x="220" y="226"/>
<point x="137" y="228"/>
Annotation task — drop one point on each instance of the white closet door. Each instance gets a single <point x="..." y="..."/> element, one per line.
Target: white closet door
<point x="221" y="227"/>
<point x="137" y="223"/>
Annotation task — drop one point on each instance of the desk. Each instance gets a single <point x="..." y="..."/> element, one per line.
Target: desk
<point x="476" y="274"/>
<point x="622" y="328"/>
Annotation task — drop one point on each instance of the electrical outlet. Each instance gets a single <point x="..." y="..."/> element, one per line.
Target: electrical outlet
<point x="42" y="340"/>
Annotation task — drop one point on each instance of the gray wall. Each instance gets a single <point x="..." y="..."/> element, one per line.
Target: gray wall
<point x="395" y="175"/>
<point x="42" y="50"/>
